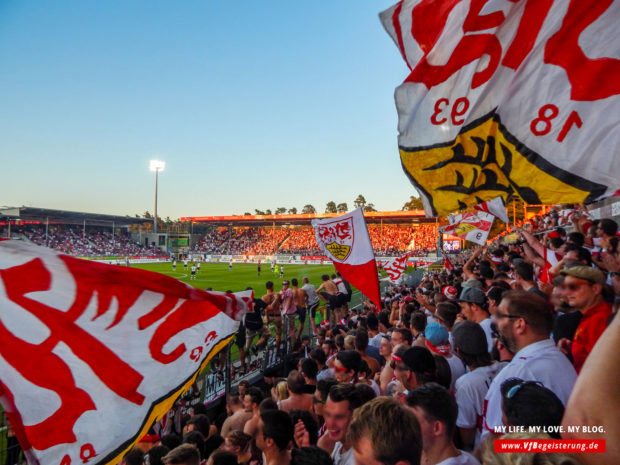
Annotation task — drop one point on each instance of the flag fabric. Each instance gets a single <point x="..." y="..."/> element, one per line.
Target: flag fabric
<point x="507" y="96"/>
<point x="447" y="263"/>
<point x="471" y="226"/>
<point x="395" y="267"/>
<point x="344" y="239"/>
<point x="495" y="207"/>
<point x="91" y="355"/>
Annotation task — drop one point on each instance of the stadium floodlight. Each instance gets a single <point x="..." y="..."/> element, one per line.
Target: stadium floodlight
<point x="157" y="166"/>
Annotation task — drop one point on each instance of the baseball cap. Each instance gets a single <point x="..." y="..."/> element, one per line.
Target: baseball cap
<point x="473" y="282"/>
<point x="418" y="359"/>
<point x="585" y="272"/>
<point x="436" y="333"/>
<point x="472" y="295"/>
<point x="469" y="337"/>
<point x="150" y="438"/>
<point x="450" y="292"/>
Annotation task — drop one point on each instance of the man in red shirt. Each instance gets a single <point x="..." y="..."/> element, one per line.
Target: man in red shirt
<point x="584" y="288"/>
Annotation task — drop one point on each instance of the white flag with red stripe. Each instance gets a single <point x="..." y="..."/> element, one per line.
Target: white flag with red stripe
<point x="473" y="227"/>
<point x="344" y="239"/>
<point x="91" y="355"/>
<point x="447" y="263"/>
<point x="495" y="207"/>
<point x="395" y="267"/>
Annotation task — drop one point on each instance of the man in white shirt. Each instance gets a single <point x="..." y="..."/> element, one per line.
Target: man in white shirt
<point x="474" y="308"/>
<point x="436" y="412"/>
<point x="313" y="302"/>
<point x="470" y="344"/>
<point x="338" y="412"/>
<point x="525" y="320"/>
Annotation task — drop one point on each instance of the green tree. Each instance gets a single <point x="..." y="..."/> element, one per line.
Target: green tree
<point x="331" y="207"/>
<point x="308" y="209"/>
<point x="292" y="211"/>
<point x="414" y="203"/>
<point x="369" y="208"/>
<point x="268" y="212"/>
<point x="147" y="215"/>
<point x="342" y="207"/>
<point x="280" y="211"/>
<point x="258" y="212"/>
<point x="359" y="202"/>
<point x="247" y="213"/>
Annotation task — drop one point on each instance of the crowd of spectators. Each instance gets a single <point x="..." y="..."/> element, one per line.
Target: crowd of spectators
<point x="517" y="336"/>
<point x="387" y="240"/>
<point x="391" y="240"/>
<point x="301" y="241"/>
<point x="93" y="243"/>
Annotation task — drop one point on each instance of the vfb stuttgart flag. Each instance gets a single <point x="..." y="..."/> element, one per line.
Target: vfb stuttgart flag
<point x="395" y="267"/>
<point x="91" y="355"/>
<point x="507" y="96"/>
<point x="344" y="239"/>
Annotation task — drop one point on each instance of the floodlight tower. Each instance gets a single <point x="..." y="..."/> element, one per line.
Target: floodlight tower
<point x="157" y="166"/>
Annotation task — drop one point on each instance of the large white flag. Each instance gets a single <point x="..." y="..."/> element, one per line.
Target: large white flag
<point x="91" y="355"/>
<point x="508" y="96"/>
<point x="471" y="226"/>
<point x="344" y="239"/>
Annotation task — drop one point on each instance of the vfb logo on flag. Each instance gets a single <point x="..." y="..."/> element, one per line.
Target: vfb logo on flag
<point x="338" y="237"/>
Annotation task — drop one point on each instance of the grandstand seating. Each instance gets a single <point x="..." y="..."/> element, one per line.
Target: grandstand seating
<point x="94" y="243"/>
<point x="387" y="240"/>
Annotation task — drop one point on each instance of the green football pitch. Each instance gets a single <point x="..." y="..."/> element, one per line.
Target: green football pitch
<point x="218" y="277"/>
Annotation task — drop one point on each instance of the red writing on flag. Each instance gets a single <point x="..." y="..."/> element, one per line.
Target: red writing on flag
<point x="111" y="288"/>
<point x="561" y="49"/>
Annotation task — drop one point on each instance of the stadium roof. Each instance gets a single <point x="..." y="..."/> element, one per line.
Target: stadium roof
<point x="398" y="217"/>
<point x="42" y="215"/>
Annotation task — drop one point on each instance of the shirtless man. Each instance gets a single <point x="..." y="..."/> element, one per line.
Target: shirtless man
<point x="251" y="401"/>
<point x="297" y="399"/>
<point x="301" y="302"/>
<point x="272" y="312"/>
<point x="237" y="415"/>
<point x="328" y="292"/>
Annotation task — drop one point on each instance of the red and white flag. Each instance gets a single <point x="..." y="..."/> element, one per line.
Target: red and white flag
<point x="473" y="227"/>
<point x="91" y="355"/>
<point x="395" y="267"/>
<point x="447" y="263"/>
<point x="495" y="207"/>
<point x="344" y="239"/>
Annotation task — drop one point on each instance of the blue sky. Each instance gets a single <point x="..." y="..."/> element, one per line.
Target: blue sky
<point x="255" y="104"/>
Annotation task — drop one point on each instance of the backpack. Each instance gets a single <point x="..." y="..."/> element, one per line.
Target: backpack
<point x="254" y="320"/>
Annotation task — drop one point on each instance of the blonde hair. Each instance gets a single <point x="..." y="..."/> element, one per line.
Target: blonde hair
<point x="281" y="390"/>
<point x="489" y="457"/>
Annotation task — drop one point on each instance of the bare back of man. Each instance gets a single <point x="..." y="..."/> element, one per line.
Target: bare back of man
<point x="297" y="401"/>
<point x="300" y="297"/>
<point x="329" y="287"/>
<point x="272" y="313"/>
